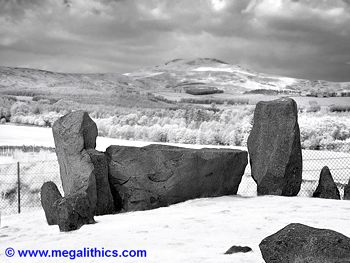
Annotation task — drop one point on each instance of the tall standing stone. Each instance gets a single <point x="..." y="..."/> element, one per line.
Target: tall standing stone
<point x="274" y="148"/>
<point x="75" y="140"/>
<point x="326" y="186"/>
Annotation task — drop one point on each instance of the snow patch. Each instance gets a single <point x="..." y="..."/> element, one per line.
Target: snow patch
<point x="287" y="81"/>
<point x="222" y="69"/>
<point x="145" y="74"/>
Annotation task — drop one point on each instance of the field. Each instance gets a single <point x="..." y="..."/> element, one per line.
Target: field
<point x="199" y="230"/>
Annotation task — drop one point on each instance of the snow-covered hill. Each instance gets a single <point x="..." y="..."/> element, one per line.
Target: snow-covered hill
<point x="213" y="72"/>
<point x="170" y="76"/>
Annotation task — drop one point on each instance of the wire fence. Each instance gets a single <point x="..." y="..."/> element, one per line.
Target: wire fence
<point x="313" y="162"/>
<point x="20" y="183"/>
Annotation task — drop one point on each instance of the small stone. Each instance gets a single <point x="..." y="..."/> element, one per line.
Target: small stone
<point x="238" y="249"/>
<point x="326" y="186"/>
<point x="73" y="212"/>
<point x="49" y="194"/>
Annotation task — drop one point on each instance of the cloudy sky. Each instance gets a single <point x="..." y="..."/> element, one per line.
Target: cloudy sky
<point x="300" y="38"/>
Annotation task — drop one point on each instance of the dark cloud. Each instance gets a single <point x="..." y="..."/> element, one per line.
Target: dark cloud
<point x="304" y="38"/>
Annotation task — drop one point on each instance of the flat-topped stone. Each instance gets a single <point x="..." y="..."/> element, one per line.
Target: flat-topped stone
<point x="159" y="175"/>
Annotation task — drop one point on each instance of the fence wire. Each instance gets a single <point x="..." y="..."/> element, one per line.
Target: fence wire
<point x="25" y="192"/>
<point x="313" y="162"/>
<point x="18" y="195"/>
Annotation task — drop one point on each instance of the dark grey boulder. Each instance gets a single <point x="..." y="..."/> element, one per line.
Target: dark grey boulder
<point x="159" y="175"/>
<point x="304" y="244"/>
<point x="238" y="249"/>
<point x="104" y="203"/>
<point x="326" y="186"/>
<point x="73" y="211"/>
<point x="49" y="194"/>
<point x="274" y="148"/>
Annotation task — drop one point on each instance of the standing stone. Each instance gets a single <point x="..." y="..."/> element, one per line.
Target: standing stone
<point x="274" y="148"/>
<point x="75" y="140"/>
<point x="160" y="175"/>
<point x="304" y="244"/>
<point x="49" y="194"/>
<point x="326" y="186"/>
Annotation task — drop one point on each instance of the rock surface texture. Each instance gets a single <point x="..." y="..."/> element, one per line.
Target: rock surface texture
<point x="159" y="175"/>
<point x="297" y="243"/>
<point x="274" y="148"/>
<point x="326" y="186"/>
<point x="73" y="211"/>
<point x="83" y="170"/>
<point x="74" y="133"/>
<point x="104" y="202"/>
<point x="49" y="194"/>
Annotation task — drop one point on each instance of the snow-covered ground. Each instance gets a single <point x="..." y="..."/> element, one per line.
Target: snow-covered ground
<point x="199" y="230"/>
<point x="286" y="81"/>
<point x="251" y="83"/>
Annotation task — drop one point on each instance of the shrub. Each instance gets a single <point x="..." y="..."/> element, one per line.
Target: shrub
<point x="318" y="130"/>
<point x="314" y="107"/>
<point x="263" y="91"/>
<point x="20" y="108"/>
<point x="339" y="108"/>
<point x="235" y="101"/>
<point x="5" y="113"/>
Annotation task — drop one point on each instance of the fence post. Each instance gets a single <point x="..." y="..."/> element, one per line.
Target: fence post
<point x="18" y="188"/>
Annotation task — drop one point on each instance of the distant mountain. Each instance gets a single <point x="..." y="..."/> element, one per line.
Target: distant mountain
<point x="232" y="78"/>
<point x="171" y="77"/>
